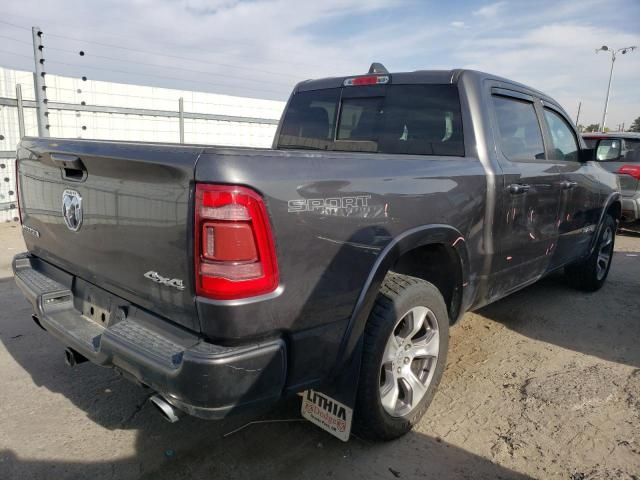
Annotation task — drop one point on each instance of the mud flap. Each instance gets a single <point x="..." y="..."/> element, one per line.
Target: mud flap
<point x="332" y="408"/>
<point x="327" y="413"/>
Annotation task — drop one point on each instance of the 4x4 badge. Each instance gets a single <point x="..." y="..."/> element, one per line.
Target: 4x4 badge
<point x="169" y="282"/>
<point x="72" y="209"/>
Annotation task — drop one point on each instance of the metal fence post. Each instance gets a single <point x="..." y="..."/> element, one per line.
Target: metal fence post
<point x="181" y="118"/>
<point x="20" y="110"/>
<point x="39" y="83"/>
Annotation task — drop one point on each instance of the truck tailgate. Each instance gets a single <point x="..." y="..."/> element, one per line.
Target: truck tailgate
<point x="128" y="216"/>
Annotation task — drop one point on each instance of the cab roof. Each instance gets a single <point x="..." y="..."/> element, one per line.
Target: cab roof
<point x="416" y="77"/>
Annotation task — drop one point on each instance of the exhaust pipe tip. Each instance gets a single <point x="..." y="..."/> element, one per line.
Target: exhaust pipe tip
<point x="73" y="358"/>
<point x="168" y="411"/>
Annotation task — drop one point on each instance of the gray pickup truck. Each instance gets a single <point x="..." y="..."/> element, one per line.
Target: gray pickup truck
<point x="331" y="265"/>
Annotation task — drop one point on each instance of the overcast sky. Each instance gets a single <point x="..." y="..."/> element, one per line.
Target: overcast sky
<point x="260" y="48"/>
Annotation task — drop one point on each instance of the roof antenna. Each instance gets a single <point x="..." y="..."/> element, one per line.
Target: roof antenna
<point x="377" y="68"/>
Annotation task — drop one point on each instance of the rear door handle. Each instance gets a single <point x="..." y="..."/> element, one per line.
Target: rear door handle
<point x="519" y="188"/>
<point x="566" y="184"/>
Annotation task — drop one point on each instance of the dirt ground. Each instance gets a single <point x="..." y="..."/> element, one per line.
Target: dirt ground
<point x="543" y="384"/>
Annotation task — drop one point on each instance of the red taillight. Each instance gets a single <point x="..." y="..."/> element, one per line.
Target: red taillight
<point x="18" y="192"/>
<point x="368" y="80"/>
<point x="633" y="170"/>
<point x="234" y="251"/>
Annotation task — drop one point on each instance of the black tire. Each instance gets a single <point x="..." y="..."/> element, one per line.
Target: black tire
<point x="398" y="295"/>
<point x="589" y="274"/>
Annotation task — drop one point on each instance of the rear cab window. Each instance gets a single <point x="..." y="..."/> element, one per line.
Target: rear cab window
<point x="423" y="119"/>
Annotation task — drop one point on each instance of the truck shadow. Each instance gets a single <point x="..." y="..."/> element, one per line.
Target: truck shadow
<point x="282" y="446"/>
<point x="284" y="450"/>
<point x="603" y="324"/>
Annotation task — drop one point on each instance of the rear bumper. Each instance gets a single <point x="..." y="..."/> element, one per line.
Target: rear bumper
<point x="630" y="209"/>
<point x="200" y="378"/>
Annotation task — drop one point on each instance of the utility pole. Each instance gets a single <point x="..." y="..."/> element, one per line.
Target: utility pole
<point x="578" y="115"/>
<point x="181" y="118"/>
<point x="39" y="83"/>
<point x="20" y="106"/>
<point x="613" y="52"/>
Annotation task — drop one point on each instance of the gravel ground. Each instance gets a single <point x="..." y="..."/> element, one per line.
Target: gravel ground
<point x="543" y="384"/>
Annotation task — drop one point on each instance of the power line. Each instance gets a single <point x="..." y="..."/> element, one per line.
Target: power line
<point x="152" y="64"/>
<point x="75" y="65"/>
<point x="17" y="54"/>
<point x="147" y="52"/>
<point x="14" y="25"/>
<point x="122" y="60"/>
<point x="15" y="40"/>
<point x="202" y="72"/>
<point x="143" y="74"/>
<point x="173" y="56"/>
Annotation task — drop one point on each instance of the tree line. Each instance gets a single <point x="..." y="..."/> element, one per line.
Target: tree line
<point x="595" y="127"/>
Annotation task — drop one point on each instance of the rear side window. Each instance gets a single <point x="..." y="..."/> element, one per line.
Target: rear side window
<point x="565" y="145"/>
<point x="519" y="133"/>
<point x="405" y="119"/>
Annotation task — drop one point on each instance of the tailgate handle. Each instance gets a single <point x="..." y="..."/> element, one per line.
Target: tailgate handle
<point x="71" y="165"/>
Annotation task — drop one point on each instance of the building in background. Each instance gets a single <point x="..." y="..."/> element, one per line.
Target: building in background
<point x="114" y="111"/>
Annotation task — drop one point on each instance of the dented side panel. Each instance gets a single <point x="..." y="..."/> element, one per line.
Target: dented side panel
<point x="332" y="215"/>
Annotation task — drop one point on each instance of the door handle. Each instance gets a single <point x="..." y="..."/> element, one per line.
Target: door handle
<point x="71" y="166"/>
<point x="63" y="160"/>
<point x="519" y="188"/>
<point x="566" y="184"/>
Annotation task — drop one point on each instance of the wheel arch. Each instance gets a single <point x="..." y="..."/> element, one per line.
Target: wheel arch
<point x="422" y="243"/>
<point x="613" y="205"/>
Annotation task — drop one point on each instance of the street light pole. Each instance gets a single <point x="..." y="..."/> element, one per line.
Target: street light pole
<point x="613" y="52"/>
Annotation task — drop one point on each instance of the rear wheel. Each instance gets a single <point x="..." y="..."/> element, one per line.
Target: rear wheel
<point x="590" y="274"/>
<point x="405" y="348"/>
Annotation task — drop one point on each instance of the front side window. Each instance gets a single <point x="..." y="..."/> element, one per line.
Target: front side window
<point x="565" y="145"/>
<point x="519" y="133"/>
<point x="403" y="119"/>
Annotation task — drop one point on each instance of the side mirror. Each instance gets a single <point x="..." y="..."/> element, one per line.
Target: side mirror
<point x="609" y="150"/>
<point x="587" y="155"/>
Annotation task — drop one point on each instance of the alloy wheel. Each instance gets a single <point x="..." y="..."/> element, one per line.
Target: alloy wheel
<point x="409" y="361"/>
<point x="605" y="251"/>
